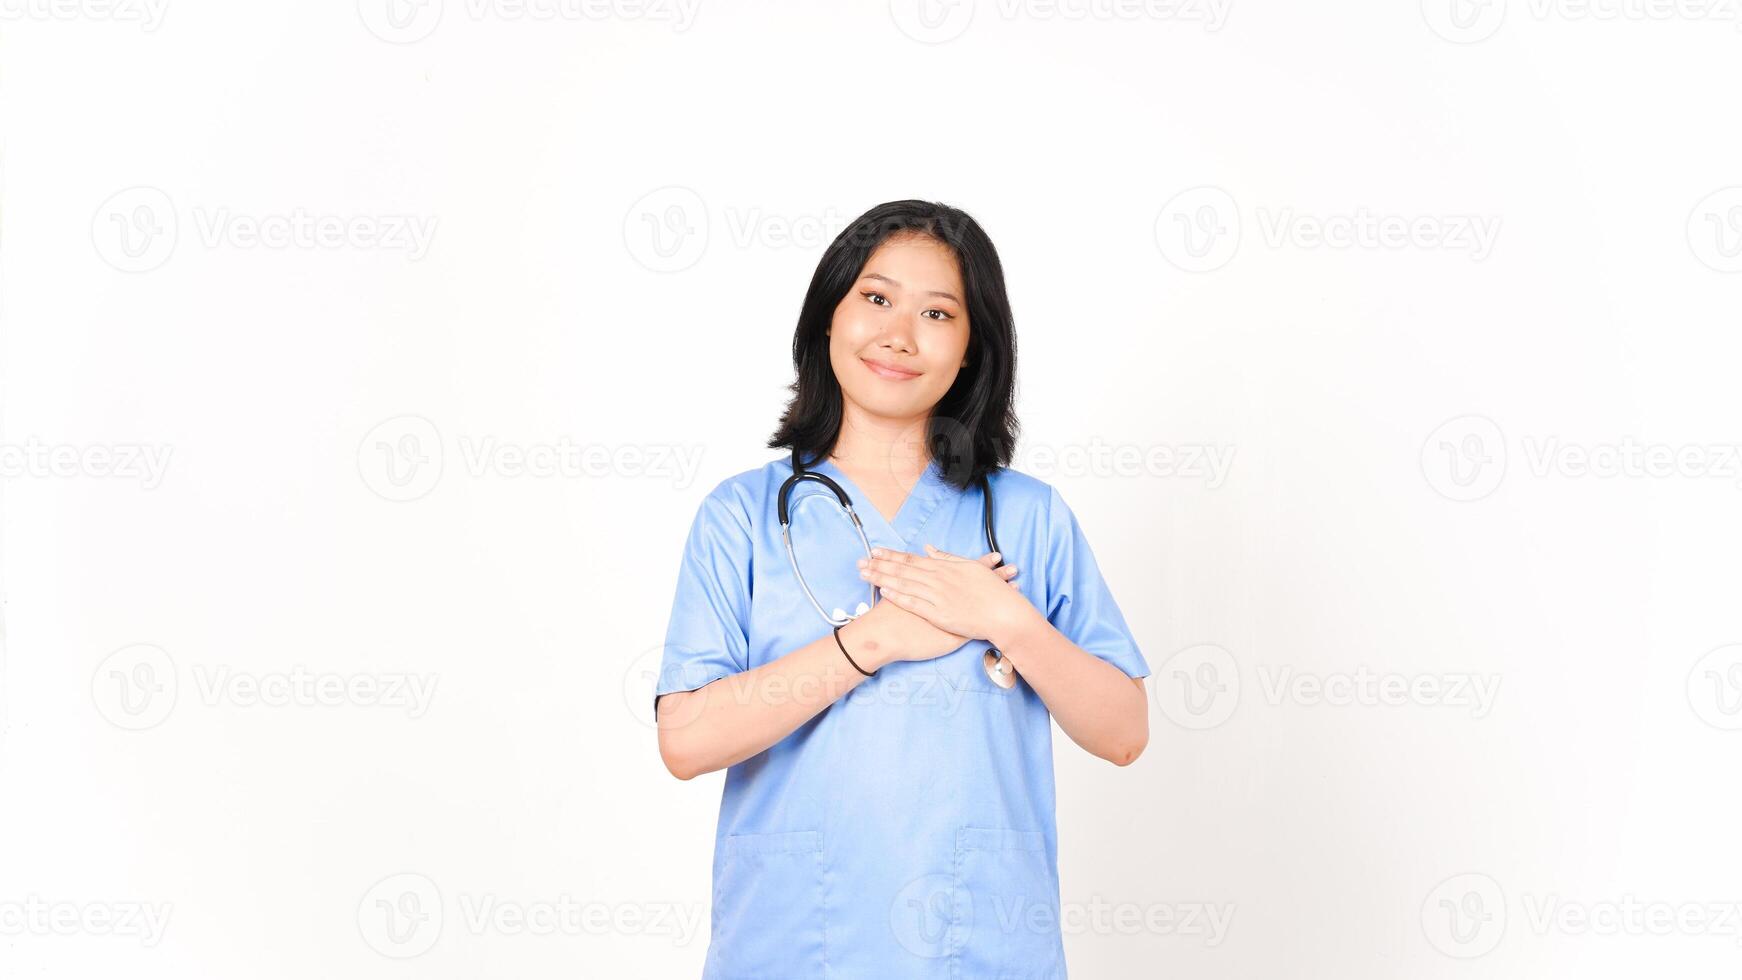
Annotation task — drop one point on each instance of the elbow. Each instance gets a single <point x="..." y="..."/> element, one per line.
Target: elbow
<point x="683" y="744"/>
<point x="681" y="771"/>
<point x="1127" y="753"/>
<point x="1133" y="747"/>
<point x="683" y="765"/>
<point x="678" y="761"/>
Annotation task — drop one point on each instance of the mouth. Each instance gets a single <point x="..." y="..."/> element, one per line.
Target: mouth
<point x="889" y="372"/>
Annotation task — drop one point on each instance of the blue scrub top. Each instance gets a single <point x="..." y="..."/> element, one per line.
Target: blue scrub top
<point x="908" y="830"/>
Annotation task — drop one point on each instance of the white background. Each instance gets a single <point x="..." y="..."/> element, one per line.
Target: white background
<point x="622" y="209"/>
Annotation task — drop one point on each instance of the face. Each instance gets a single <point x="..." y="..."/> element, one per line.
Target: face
<point x="900" y="334"/>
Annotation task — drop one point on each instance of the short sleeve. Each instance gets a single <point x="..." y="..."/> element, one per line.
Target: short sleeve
<point x="707" y="638"/>
<point x="1079" y="604"/>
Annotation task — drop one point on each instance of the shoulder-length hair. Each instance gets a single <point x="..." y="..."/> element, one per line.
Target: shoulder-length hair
<point x="973" y="428"/>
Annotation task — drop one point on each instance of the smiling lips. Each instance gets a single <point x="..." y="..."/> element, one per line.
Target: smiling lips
<point x="889" y="371"/>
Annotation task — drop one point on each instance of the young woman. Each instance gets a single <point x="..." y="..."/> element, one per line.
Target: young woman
<point x="889" y="808"/>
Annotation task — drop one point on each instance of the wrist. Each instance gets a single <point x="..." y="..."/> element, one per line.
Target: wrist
<point x="871" y="647"/>
<point x="1020" y="629"/>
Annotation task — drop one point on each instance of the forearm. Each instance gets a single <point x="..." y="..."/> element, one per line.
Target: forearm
<point x="733" y="718"/>
<point x="1098" y="705"/>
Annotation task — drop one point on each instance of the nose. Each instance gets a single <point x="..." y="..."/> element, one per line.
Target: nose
<point x="897" y="334"/>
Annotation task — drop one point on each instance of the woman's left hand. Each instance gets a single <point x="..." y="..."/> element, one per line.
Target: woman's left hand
<point x="956" y="594"/>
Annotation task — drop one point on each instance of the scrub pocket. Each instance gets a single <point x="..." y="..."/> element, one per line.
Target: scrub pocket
<point x="768" y="907"/>
<point x="1006" y="924"/>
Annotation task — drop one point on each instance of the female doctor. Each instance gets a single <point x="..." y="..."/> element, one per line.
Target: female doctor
<point x="889" y="809"/>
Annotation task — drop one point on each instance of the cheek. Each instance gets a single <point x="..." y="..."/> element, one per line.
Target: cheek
<point x="849" y="330"/>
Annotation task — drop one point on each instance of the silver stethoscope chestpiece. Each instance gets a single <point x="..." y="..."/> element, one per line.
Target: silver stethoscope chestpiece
<point x="1000" y="669"/>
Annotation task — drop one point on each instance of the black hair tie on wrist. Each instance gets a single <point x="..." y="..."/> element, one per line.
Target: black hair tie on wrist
<point x="844" y="653"/>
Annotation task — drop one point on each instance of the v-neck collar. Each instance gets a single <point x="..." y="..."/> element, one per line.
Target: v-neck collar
<point x="921" y="501"/>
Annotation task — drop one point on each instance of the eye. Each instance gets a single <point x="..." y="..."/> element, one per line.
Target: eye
<point x="874" y="297"/>
<point x="941" y="315"/>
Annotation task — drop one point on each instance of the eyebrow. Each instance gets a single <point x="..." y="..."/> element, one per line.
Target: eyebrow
<point x="934" y="292"/>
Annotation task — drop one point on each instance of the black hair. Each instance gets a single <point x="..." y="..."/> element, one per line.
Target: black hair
<point x="973" y="428"/>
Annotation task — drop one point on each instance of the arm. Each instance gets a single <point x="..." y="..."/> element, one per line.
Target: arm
<point x="1097" y="705"/>
<point x="731" y="719"/>
<point x="1100" y="706"/>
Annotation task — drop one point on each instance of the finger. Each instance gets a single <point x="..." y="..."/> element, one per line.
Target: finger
<point x="904" y="581"/>
<point x="912" y="603"/>
<point x="1006" y="572"/>
<point x="888" y="554"/>
<point x="908" y="572"/>
<point x="939" y="553"/>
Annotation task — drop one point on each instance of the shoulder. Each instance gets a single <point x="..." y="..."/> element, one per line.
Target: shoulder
<point x="1024" y="490"/>
<point x="741" y="495"/>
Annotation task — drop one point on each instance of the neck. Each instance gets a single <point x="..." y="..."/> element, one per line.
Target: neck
<point x="871" y="443"/>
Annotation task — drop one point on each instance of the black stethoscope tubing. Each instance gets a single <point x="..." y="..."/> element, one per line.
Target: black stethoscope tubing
<point x="997" y="668"/>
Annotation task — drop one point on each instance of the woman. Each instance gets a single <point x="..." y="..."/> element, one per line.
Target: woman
<point x="888" y="810"/>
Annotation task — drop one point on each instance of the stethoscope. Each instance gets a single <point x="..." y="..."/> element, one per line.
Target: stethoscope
<point x="998" y="669"/>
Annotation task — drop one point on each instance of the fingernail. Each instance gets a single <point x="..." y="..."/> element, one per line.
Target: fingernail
<point x="877" y="552"/>
<point x="862" y="563"/>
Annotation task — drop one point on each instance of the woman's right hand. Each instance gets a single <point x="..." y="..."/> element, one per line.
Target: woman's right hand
<point x="910" y="636"/>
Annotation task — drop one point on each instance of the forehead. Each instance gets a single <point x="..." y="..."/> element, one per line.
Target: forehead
<point x="917" y="262"/>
